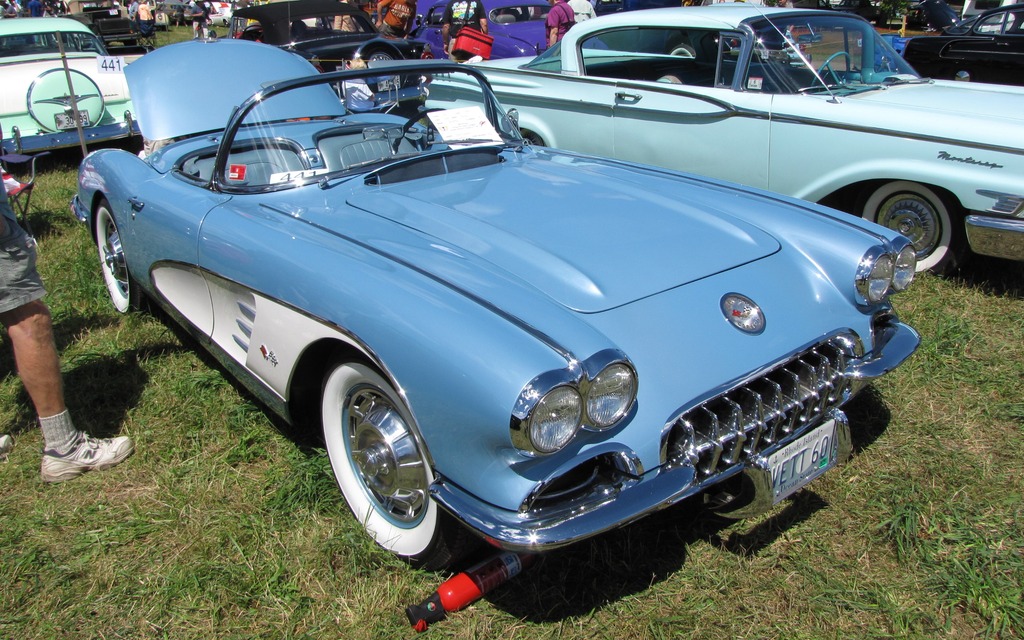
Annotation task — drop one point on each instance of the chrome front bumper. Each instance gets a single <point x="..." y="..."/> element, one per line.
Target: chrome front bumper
<point x="996" y="237"/>
<point x="632" y="498"/>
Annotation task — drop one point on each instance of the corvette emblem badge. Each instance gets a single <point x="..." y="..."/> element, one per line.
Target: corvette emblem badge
<point x="743" y="313"/>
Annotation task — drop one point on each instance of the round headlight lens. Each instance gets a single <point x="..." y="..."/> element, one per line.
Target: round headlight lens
<point x="906" y="265"/>
<point x="875" y="277"/>
<point x="555" y="419"/>
<point x="611" y="394"/>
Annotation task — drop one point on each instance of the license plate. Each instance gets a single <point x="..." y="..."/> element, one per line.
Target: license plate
<point x="390" y="83"/>
<point x="803" y="460"/>
<point x="67" y="121"/>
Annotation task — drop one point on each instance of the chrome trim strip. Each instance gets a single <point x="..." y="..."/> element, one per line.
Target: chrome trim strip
<point x="902" y="135"/>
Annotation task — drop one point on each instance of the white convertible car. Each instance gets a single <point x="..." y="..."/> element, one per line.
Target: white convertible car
<point x="812" y="104"/>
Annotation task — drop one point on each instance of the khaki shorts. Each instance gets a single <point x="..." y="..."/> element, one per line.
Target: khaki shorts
<point x="19" y="281"/>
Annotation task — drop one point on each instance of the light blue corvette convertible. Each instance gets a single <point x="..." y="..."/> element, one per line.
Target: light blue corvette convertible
<point x="498" y="341"/>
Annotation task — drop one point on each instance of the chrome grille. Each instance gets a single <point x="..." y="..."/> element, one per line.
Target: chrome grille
<point x="750" y="418"/>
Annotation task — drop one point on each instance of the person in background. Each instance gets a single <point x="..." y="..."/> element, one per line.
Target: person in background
<point x="35" y="8"/>
<point x="582" y="9"/>
<point x="68" y="452"/>
<point x="145" y="15"/>
<point x="344" y="22"/>
<point x="395" y="17"/>
<point x="199" y="13"/>
<point x="459" y="14"/>
<point x="560" y="19"/>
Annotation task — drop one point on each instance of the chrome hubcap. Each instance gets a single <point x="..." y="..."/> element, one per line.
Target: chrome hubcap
<point x="113" y="259"/>
<point x="915" y="218"/>
<point x="386" y="456"/>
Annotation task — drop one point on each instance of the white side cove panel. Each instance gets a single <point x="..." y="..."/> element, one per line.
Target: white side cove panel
<point x="264" y="336"/>
<point x="185" y="288"/>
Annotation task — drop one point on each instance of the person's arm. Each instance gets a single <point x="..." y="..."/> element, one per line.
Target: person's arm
<point x="483" y="25"/>
<point x="382" y="8"/>
<point x="411" y="23"/>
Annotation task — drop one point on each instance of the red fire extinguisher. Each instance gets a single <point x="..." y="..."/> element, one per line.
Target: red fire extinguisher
<point x="467" y="587"/>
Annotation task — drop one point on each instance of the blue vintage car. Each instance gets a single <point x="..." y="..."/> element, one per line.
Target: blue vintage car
<point x="809" y="103"/>
<point x="498" y="341"/>
<point x="517" y="27"/>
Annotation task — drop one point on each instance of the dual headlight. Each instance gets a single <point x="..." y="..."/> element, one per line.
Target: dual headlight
<point x="884" y="271"/>
<point x="556" y="405"/>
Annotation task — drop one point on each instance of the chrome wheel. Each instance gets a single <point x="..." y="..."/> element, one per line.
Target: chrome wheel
<point x="922" y="216"/>
<point x="383" y="452"/>
<point x="377" y="460"/>
<point x="112" y="262"/>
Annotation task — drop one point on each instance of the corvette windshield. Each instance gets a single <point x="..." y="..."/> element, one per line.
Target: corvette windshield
<point x="821" y="53"/>
<point x="344" y="124"/>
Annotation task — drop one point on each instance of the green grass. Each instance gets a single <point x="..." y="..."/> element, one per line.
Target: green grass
<point x="222" y="526"/>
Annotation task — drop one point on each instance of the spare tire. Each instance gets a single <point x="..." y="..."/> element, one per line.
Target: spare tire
<point x="49" y="100"/>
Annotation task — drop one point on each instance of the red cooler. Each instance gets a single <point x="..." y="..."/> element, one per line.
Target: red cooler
<point x="473" y="43"/>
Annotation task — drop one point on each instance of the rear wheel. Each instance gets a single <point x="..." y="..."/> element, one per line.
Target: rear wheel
<point x="123" y="291"/>
<point x="919" y="213"/>
<point x="382" y="470"/>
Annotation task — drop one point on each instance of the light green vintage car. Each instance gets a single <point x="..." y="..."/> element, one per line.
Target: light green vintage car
<point x="36" y="106"/>
<point x="811" y="104"/>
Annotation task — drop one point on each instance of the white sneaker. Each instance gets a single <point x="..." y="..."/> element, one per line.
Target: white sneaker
<point x="88" y="454"/>
<point x="6" y="444"/>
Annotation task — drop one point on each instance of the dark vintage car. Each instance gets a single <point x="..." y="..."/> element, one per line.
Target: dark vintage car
<point x="863" y="8"/>
<point x="109" y="22"/>
<point x="325" y="32"/>
<point x="987" y="48"/>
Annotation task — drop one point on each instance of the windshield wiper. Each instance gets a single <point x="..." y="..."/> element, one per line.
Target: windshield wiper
<point x="904" y="79"/>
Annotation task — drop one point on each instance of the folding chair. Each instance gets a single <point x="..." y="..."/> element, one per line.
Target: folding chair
<point x="20" y="193"/>
<point x="147" y="34"/>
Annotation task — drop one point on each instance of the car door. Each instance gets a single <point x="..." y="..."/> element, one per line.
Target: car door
<point x="171" y="207"/>
<point x="675" y="105"/>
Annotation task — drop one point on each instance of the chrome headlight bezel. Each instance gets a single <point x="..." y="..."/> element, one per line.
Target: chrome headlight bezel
<point x="884" y="270"/>
<point x="606" y="385"/>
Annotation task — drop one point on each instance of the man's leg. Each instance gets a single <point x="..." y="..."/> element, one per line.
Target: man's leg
<point x="31" y="330"/>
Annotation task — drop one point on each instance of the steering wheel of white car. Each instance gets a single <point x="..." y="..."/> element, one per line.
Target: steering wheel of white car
<point x="827" y="65"/>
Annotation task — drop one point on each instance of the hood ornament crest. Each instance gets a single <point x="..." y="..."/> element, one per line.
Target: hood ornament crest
<point x="743" y="313"/>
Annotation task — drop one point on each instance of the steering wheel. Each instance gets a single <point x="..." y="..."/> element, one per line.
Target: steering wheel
<point x="827" y="65"/>
<point x="416" y="117"/>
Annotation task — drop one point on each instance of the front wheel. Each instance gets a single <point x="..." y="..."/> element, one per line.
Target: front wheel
<point x="924" y="217"/>
<point x="382" y="470"/>
<point x="123" y="290"/>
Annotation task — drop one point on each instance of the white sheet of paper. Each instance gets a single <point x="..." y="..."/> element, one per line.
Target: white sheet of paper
<point x="464" y="123"/>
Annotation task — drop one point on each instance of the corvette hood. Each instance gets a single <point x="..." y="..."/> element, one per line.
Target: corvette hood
<point x="160" y="84"/>
<point x="525" y="221"/>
